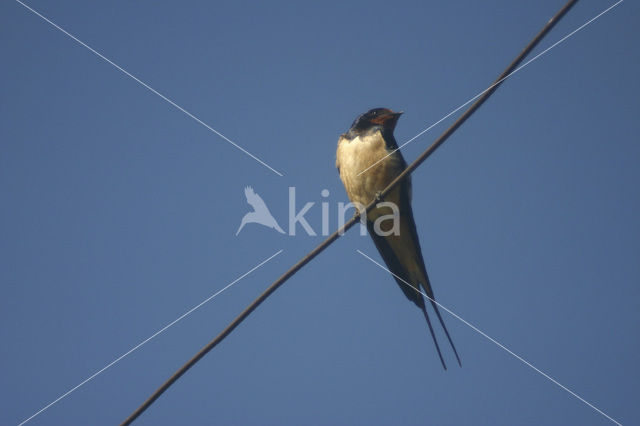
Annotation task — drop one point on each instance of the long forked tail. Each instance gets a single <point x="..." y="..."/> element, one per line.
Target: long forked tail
<point x="444" y="327"/>
<point x="433" y="335"/>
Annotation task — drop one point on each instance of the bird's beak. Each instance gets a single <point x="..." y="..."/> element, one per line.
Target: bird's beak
<point x="392" y="118"/>
<point x="388" y="118"/>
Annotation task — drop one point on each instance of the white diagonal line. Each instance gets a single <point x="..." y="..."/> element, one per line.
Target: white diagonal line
<point x="163" y="329"/>
<point x="497" y="82"/>
<point x="500" y="345"/>
<point x="145" y="85"/>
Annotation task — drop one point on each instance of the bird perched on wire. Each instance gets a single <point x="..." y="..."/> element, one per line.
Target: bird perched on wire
<point x="368" y="160"/>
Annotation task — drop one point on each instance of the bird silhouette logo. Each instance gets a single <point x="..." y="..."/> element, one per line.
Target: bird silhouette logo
<point x="260" y="213"/>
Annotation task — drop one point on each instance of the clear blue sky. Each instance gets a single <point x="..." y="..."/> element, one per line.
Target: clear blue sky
<point x="119" y="212"/>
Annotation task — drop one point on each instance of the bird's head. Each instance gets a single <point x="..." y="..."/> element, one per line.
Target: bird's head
<point x="381" y="118"/>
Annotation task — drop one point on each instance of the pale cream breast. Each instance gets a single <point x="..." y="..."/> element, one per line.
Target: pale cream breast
<point x="354" y="156"/>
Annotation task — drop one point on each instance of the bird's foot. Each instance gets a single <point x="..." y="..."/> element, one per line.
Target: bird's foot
<point x="378" y="196"/>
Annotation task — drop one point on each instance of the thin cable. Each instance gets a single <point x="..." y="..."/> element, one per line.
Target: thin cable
<point x="320" y="248"/>
<point x="145" y="341"/>
<point x="563" y="39"/>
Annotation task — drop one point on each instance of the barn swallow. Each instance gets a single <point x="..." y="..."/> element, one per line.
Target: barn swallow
<point x="368" y="160"/>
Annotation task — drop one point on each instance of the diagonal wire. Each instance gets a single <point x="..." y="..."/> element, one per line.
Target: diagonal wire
<point x="327" y="242"/>
<point x="495" y="83"/>
<point x="136" y="347"/>
<point x="500" y="345"/>
<point x="146" y="86"/>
